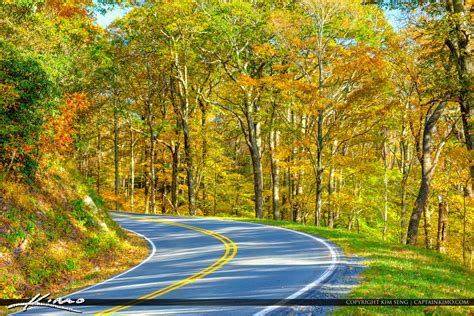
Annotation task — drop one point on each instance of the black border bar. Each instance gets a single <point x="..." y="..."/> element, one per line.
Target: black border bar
<point x="260" y="302"/>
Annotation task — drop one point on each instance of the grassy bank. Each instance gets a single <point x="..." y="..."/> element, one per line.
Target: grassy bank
<point x="396" y="271"/>
<point x="56" y="236"/>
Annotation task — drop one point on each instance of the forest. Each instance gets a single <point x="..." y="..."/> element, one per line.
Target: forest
<point x="316" y="112"/>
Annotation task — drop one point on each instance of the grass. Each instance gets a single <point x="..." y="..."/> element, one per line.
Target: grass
<point x="70" y="266"/>
<point x="132" y="253"/>
<point x="395" y="271"/>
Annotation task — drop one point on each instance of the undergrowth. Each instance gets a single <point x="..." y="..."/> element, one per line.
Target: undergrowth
<point x="56" y="236"/>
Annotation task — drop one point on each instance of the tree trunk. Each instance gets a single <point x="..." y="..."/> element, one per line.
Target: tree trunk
<point x="292" y="191"/>
<point x="385" y="185"/>
<point x="183" y="94"/>
<point x="464" y="244"/>
<point x="99" y="159"/>
<point x="331" y="187"/>
<point x="301" y="173"/>
<point x="403" y="213"/>
<point x="204" y="152"/>
<point x="163" y="185"/>
<point x="458" y="42"/>
<point x="258" y="178"/>
<point x="319" y="175"/>
<point x="320" y="170"/>
<point x="442" y="224"/>
<point x="341" y="189"/>
<point x="405" y="169"/>
<point x="152" y="162"/>
<point x="116" y="155"/>
<point x="146" y="180"/>
<point x="428" y="226"/>
<point x="132" y="167"/>
<point x="189" y="166"/>
<point x="294" y="197"/>
<point x="330" y="193"/>
<point x="427" y="171"/>
<point x="214" y="207"/>
<point x="274" y="140"/>
<point x="352" y="216"/>
<point x="356" y="195"/>
<point x="174" y="176"/>
<point x="254" y="142"/>
<point x="420" y="204"/>
<point x="285" y="196"/>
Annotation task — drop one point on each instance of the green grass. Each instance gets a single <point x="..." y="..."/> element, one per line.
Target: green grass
<point x="395" y="271"/>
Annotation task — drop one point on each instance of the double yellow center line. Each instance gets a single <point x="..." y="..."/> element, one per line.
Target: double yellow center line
<point x="230" y="252"/>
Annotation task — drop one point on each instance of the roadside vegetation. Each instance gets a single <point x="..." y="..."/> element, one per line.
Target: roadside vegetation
<point x="56" y="236"/>
<point x="55" y="233"/>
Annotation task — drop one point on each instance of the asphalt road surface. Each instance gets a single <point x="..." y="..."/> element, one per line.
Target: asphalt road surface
<point x="198" y="258"/>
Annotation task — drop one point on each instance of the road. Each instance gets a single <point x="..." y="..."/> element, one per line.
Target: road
<point x="198" y="258"/>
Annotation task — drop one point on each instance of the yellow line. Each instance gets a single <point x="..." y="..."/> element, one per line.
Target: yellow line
<point x="202" y="273"/>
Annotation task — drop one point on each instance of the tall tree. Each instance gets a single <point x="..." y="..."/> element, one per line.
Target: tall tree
<point x="238" y="28"/>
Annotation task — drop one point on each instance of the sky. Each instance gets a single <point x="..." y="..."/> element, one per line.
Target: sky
<point x="110" y="16"/>
<point x="104" y="20"/>
<point x="395" y="18"/>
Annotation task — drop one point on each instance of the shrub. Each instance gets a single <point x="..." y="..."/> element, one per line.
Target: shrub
<point x="79" y="212"/>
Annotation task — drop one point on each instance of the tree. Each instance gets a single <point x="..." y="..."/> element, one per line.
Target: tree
<point x="28" y="93"/>
<point x="241" y="94"/>
<point x="428" y="166"/>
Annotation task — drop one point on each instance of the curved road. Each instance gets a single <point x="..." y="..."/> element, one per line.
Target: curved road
<point x="198" y="258"/>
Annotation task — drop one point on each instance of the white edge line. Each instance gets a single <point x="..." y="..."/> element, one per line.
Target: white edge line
<point x="153" y="251"/>
<point x="324" y="276"/>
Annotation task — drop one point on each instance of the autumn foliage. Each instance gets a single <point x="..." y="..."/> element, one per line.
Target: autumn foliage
<point x="310" y="111"/>
<point x="60" y="130"/>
